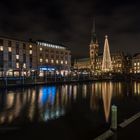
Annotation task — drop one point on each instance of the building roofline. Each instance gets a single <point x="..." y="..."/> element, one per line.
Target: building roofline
<point x="14" y="38"/>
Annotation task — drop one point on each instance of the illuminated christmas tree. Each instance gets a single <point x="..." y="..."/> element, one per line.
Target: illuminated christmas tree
<point x="106" y="64"/>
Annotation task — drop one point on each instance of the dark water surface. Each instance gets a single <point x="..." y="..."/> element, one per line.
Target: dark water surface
<point x="66" y="112"/>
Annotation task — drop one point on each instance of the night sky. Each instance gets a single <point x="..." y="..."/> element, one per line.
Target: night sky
<point x="69" y="22"/>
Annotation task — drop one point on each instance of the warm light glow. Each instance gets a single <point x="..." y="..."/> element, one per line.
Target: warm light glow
<point x="1" y="48"/>
<point x="41" y="60"/>
<point x="52" y="61"/>
<point x="30" y="46"/>
<point x="9" y="49"/>
<point x="61" y="61"/>
<point x="106" y="64"/>
<point x="24" y="65"/>
<point x="47" y="60"/>
<point x="17" y="65"/>
<point x="40" y="49"/>
<point x="57" y="62"/>
<point x="17" y="56"/>
<point x="30" y="51"/>
<point x="66" y="62"/>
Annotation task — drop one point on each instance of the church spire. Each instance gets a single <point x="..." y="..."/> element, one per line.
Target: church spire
<point x="93" y="33"/>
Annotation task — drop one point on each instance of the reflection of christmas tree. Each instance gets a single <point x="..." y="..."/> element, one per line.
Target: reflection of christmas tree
<point x="106" y="96"/>
<point x="106" y="65"/>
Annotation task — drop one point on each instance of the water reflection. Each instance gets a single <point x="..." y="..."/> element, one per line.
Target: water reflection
<point x="102" y="91"/>
<point x="106" y="96"/>
<point x="50" y="102"/>
<point x="136" y="88"/>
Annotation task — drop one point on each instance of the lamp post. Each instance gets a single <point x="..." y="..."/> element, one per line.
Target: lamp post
<point x="114" y="117"/>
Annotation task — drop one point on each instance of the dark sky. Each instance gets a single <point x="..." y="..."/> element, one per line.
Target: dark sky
<point x="69" y="22"/>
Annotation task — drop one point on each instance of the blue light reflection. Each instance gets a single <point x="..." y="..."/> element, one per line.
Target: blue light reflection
<point x="48" y="93"/>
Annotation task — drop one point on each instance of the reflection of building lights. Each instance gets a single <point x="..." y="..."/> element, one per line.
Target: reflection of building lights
<point x="48" y="95"/>
<point x="136" y="88"/>
<point x="84" y="91"/>
<point x="74" y="92"/>
<point x="107" y="95"/>
<point x="2" y="118"/>
<point x="10" y="100"/>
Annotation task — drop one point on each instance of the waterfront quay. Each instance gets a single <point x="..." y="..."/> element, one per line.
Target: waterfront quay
<point x="72" y="77"/>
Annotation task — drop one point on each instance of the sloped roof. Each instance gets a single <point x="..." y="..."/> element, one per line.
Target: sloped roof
<point x="83" y="60"/>
<point x="137" y="55"/>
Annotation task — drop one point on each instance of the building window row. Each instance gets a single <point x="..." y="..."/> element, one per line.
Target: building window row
<point x="54" y="61"/>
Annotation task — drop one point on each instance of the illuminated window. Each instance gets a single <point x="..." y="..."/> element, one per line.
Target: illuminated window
<point x="135" y="64"/>
<point x="30" y="52"/>
<point x="52" y="61"/>
<point x="66" y="62"/>
<point x="24" y="65"/>
<point x="47" y="60"/>
<point x="40" y="49"/>
<point x="30" y="46"/>
<point x="138" y="63"/>
<point x="56" y="61"/>
<point x="1" y="48"/>
<point x="17" y="65"/>
<point x="17" y="56"/>
<point x="9" y="49"/>
<point x="61" y="61"/>
<point x="41" y="60"/>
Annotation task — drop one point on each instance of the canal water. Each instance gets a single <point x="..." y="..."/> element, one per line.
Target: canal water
<point x="66" y="112"/>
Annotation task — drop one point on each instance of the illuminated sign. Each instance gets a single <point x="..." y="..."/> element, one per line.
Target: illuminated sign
<point x="50" y="45"/>
<point x="47" y="68"/>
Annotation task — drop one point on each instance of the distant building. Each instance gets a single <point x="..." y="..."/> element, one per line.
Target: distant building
<point x="136" y="63"/>
<point x="128" y="64"/>
<point x="118" y="62"/>
<point x="83" y="63"/>
<point x="113" y="62"/>
<point x="16" y="56"/>
<point x="53" y="57"/>
<point x="19" y="57"/>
